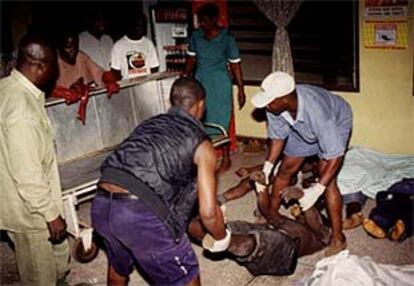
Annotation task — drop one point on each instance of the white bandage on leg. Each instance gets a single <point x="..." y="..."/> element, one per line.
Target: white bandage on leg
<point x="275" y="169"/>
<point x="267" y="170"/>
<point x="259" y="187"/>
<point x="212" y="245"/>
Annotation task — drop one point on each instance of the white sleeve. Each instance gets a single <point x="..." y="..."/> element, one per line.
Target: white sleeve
<point x="116" y="58"/>
<point x="152" y="57"/>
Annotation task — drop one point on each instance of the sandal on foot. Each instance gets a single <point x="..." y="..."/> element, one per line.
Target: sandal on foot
<point x="353" y="221"/>
<point x="373" y="229"/>
<point x="398" y="231"/>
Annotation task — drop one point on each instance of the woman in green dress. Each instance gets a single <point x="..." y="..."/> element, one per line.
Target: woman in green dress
<point x="211" y="48"/>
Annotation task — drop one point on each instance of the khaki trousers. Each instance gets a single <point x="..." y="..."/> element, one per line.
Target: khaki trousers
<point x="39" y="262"/>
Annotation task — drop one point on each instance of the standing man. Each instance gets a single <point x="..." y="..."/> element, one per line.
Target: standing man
<point x="134" y="54"/>
<point x="95" y="42"/>
<point x="148" y="189"/>
<point x="304" y="120"/>
<point x="31" y="208"/>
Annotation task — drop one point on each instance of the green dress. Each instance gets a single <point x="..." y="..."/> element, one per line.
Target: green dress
<point x="212" y="56"/>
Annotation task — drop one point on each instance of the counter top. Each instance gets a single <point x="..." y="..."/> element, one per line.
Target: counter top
<point x="122" y="83"/>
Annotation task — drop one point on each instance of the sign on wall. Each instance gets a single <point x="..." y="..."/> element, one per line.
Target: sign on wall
<point x="385" y="24"/>
<point x="386" y="35"/>
<point x="385" y="8"/>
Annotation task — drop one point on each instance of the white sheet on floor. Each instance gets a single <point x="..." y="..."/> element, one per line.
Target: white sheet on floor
<point x="344" y="269"/>
<point x="370" y="171"/>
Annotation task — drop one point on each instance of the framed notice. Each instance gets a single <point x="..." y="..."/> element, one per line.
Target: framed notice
<point x="381" y="9"/>
<point x="386" y="35"/>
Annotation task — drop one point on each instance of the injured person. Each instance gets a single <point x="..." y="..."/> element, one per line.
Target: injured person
<point x="271" y="248"/>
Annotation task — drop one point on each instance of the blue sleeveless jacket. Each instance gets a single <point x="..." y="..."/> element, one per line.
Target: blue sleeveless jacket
<point x="156" y="163"/>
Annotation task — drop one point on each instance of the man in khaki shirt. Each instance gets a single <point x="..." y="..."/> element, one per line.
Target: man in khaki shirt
<point x="31" y="207"/>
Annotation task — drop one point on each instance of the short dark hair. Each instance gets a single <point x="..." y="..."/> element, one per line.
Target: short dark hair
<point x="185" y="92"/>
<point x="209" y="10"/>
<point x="33" y="37"/>
<point x="67" y="31"/>
<point x="139" y="20"/>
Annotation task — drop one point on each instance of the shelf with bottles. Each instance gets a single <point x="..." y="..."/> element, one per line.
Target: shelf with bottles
<point x="176" y="57"/>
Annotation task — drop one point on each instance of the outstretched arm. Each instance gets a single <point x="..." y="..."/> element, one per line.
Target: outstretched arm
<point x="210" y="212"/>
<point x="276" y="147"/>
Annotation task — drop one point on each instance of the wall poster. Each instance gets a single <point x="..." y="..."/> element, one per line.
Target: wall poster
<point x="385" y="24"/>
<point x="386" y="35"/>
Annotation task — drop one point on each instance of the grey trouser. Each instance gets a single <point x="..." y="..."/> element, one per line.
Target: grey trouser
<point x="39" y="262"/>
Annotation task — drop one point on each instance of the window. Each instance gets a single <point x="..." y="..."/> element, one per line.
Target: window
<point x="323" y="39"/>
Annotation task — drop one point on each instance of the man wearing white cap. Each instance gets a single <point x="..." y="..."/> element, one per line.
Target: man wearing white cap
<point x="304" y="120"/>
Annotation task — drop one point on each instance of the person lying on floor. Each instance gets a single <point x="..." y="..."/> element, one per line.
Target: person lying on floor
<point x="392" y="216"/>
<point x="307" y="176"/>
<point x="272" y="248"/>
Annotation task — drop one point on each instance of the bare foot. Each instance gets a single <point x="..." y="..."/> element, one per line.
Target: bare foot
<point x="373" y="229"/>
<point x="335" y="246"/>
<point x="353" y="221"/>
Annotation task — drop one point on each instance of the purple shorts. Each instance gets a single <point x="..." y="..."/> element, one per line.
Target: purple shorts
<point x="132" y="232"/>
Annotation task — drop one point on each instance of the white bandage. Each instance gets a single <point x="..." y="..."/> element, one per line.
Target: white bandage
<point x="310" y="196"/>
<point x="259" y="187"/>
<point x="212" y="245"/>
<point x="267" y="170"/>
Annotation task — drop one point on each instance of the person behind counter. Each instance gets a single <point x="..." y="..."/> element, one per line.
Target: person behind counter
<point x="134" y="54"/>
<point x="75" y="65"/>
<point x="31" y="207"/>
<point x="95" y="42"/>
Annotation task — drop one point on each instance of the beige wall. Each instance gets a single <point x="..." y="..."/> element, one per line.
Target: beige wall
<point x="383" y="109"/>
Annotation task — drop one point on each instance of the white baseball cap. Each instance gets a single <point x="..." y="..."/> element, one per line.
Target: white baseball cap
<point x="275" y="85"/>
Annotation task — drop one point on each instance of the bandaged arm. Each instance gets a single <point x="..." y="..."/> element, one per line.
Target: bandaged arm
<point x="218" y="237"/>
<point x="275" y="149"/>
